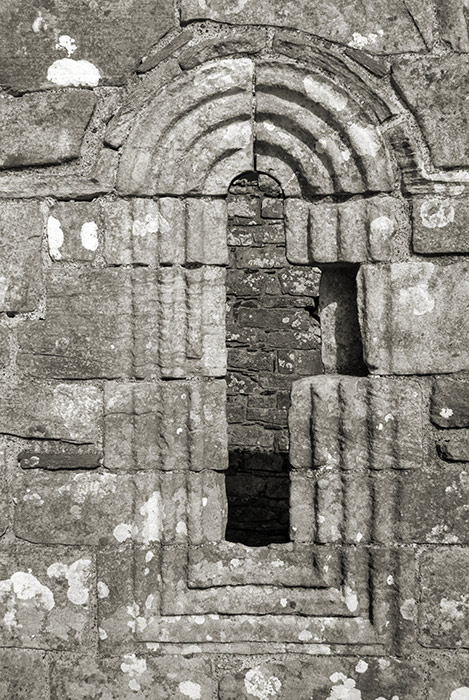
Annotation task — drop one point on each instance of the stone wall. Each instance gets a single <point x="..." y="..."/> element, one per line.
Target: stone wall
<point x="234" y="368"/>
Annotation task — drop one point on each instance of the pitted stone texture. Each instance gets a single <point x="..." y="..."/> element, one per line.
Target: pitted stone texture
<point x="73" y="507"/>
<point x="21" y="229"/>
<point x="24" y="674"/>
<point x="433" y="506"/>
<point x="435" y="89"/>
<point x="132" y="675"/>
<point x="73" y="231"/>
<point x="56" y="411"/>
<point x="449" y="406"/>
<point x="40" y="129"/>
<point x="166" y="231"/>
<point x="351" y="422"/>
<point x="328" y="143"/>
<point x="384" y="29"/>
<point x="353" y="231"/>
<point x="173" y="425"/>
<point x="118" y="612"/>
<point x="46" y="597"/>
<point x="111" y="36"/>
<point x="195" y="136"/>
<point x="413" y="317"/>
<point x="453" y="446"/>
<point x="444" y="610"/>
<point x="87" y="331"/>
<point x="453" y="26"/>
<point x="440" y="224"/>
<point x="4" y="514"/>
<point x="449" y="677"/>
<point x="359" y="678"/>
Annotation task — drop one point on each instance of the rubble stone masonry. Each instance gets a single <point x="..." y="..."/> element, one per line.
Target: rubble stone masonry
<point x="234" y="350"/>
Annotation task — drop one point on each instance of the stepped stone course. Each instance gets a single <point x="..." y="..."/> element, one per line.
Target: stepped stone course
<point x="234" y="389"/>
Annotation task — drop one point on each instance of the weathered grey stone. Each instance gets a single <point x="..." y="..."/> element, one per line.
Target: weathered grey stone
<point x="21" y="229"/>
<point x="57" y="411"/>
<point x="433" y="506"/>
<point x="39" y="129"/>
<point x="435" y="90"/>
<point x="452" y="24"/>
<point x="444" y="610"/>
<point x="24" y="674"/>
<point x="73" y="508"/>
<point x="251" y="42"/>
<point x="4" y="346"/>
<point x="448" y="677"/>
<point x="132" y="675"/>
<point x="118" y="612"/>
<point x="413" y="318"/>
<point x="108" y="37"/>
<point x="73" y="231"/>
<point x="4" y="514"/>
<point x="449" y="406"/>
<point x="440" y="224"/>
<point x="87" y="331"/>
<point x="46" y="597"/>
<point x="454" y="446"/>
<point x="385" y="28"/>
<point x="362" y="678"/>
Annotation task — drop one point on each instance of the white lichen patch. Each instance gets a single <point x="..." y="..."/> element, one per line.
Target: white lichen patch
<point x="122" y="532"/>
<point x="350" y="598"/>
<point x="141" y="227"/>
<point x="381" y="229"/>
<point x="326" y="95"/>
<point x="460" y="693"/>
<point x="407" y="609"/>
<point x="150" y="511"/>
<point x="68" y="72"/>
<point x="446" y="412"/>
<point x="361" y="666"/>
<point x="305" y="636"/>
<point x="417" y="298"/>
<point x="67" y="43"/>
<point x="134" y="667"/>
<point x="24" y="586"/>
<point x="89" y="235"/>
<point x="365" y="139"/>
<point x="77" y="575"/>
<point x="102" y="634"/>
<point x="103" y="589"/>
<point x="261" y="686"/>
<point x="361" y="41"/>
<point x="344" y="688"/>
<point x="190" y="689"/>
<point x="55" y="237"/>
<point x="437" y="213"/>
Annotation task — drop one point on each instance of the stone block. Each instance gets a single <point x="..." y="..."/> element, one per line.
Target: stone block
<point x="435" y="90"/>
<point x="351" y="231"/>
<point x="24" y="674"/>
<point x="440" y="224"/>
<point x="251" y="42"/>
<point x="449" y="407"/>
<point x="73" y="508"/>
<point x="73" y="231"/>
<point x="54" y="461"/>
<point x="356" y="423"/>
<point x="386" y="28"/>
<point x="65" y="44"/>
<point x="166" y="230"/>
<point x="452" y="26"/>
<point x="57" y="411"/>
<point x="21" y="229"/>
<point x="87" y="331"/>
<point x="261" y="258"/>
<point x="454" y="446"/>
<point x="132" y="675"/>
<point x="46" y="596"/>
<point x="42" y="128"/>
<point x="170" y="425"/>
<point x="4" y="506"/>
<point x="449" y="677"/>
<point x="359" y="678"/>
<point x="433" y="506"/>
<point x="412" y="317"/>
<point x="444" y="606"/>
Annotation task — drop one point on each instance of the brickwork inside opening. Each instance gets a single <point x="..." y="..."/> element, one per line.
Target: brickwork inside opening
<point x="273" y="338"/>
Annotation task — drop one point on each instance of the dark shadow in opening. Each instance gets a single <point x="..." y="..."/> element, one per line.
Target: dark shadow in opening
<point x="258" y="492"/>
